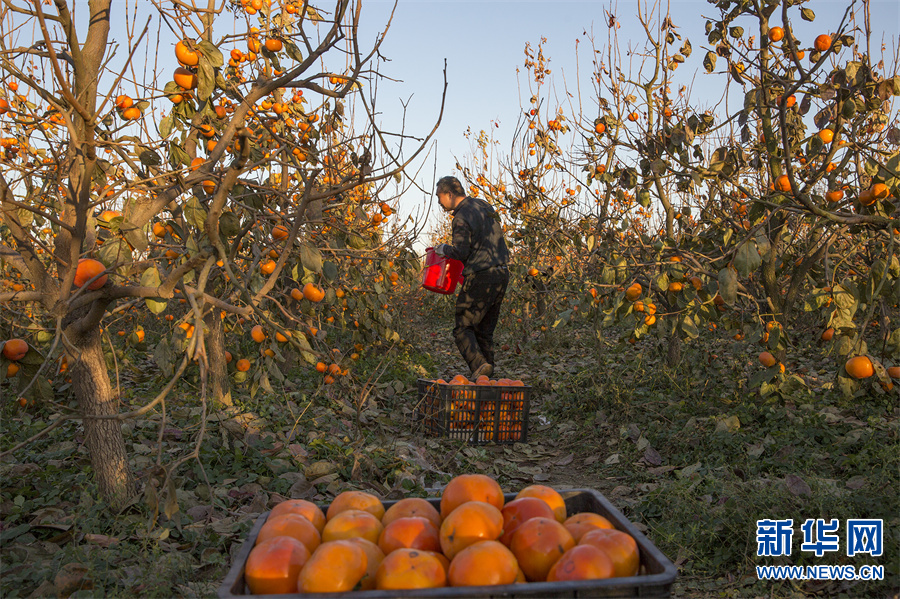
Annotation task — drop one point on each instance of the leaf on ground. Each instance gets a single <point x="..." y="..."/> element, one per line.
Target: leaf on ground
<point x="613" y="459"/>
<point x="729" y="424"/>
<point x="857" y="482"/>
<point x="687" y="471"/>
<point x="659" y="470"/>
<point x="796" y="485"/>
<point x="72" y="577"/>
<point x="652" y="457"/>
<point x="101" y="540"/>
<point x="566" y="460"/>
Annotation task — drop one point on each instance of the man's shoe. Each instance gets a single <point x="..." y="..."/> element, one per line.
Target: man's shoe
<point x="486" y="369"/>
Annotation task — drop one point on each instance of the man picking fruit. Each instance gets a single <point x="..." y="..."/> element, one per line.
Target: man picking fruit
<point x="478" y="243"/>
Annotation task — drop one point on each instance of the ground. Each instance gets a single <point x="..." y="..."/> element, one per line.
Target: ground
<point x="689" y="454"/>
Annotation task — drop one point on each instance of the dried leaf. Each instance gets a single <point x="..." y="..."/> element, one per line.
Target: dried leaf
<point x="72" y="577"/>
<point x="652" y="457"/>
<point x="796" y="485"/>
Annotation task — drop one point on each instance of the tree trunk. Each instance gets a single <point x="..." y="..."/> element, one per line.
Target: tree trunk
<point x="673" y="352"/>
<point x="103" y="438"/>
<point x="217" y="377"/>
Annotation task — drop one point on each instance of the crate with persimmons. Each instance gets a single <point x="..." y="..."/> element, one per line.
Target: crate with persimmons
<point x="473" y="541"/>
<point x="479" y="412"/>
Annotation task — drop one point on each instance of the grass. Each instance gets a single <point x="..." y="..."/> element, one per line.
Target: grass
<point x="690" y="454"/>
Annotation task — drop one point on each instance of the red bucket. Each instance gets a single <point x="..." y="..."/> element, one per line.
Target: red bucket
<point x="441" y="274"/>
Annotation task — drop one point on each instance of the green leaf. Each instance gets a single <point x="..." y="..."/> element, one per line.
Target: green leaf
<point x="206" y="79"/>
<point x="195" y="213"/>
<point x="311" y="258"/>
<point x="150" y="278"/>
<point x="211" y="53"/>
<point x="709" y="62"/>
<point x="177" y="156"/>
<point x="689" y="328"/>
<point x="150" y="158"/>
<point x="330" y="270"/>
<point x="229" y="224"/>
<point x="807" y="14"/>
<point x="165" y="126"/>
<point x="114" y="251"/>
<point x="747" y="259"/>
<point x="292" y="50"/>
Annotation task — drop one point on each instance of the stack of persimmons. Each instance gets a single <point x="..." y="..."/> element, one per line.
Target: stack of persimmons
<point x="466" y="413"/>
<point x="474" y="539"/>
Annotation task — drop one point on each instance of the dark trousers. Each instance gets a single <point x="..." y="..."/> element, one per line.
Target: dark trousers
<point x="477" y="312"/>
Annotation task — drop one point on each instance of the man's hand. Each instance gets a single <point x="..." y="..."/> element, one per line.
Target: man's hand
<point x="441" y="249"/>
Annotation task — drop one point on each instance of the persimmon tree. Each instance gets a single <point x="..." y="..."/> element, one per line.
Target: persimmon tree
<point x="247" y="183"/>
<point x="748" y="219"/>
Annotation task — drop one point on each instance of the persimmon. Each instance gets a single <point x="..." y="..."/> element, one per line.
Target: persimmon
<point x="86" y="270"/>
<point x="409" y="507"/>
<point x="185" y="78"/>
<point x="582" y="522"/>
<point x="355" y="500"/>
<point x="621" y="548"/>
<point x="123" y="102"/>
<point x="834" y="195"/>
<point x="783" y="183"/>
<point x="537" y="543"/>
<point x="274" y="565"/>
<point x="335" y="567"/>
<point x="469" y="523"/>
<point x="15" y="349"/>
<point x="894" y="372"/>
<point x="313" y="293"/>
<point x="826" y="135"/>
<point x="599" y="128"/>
<point x="290" y="525"/>
<point x="767" y="359"/>
<point x="352" y="523"/>
<point x="279" y="232"/>
<point x="11" y="369"/>
<point x="676" y="286"/>
<point x="409" y="533"/>
<point x="880" y="191"/>
<point x="186" y="55"/>
<point x="470" y="487"/>
<point x="307" y="509"/>
<point x="776" y="34"/>
<point x="633" y="292"/>
<point x="518" y="511"/>
<point x="258" y="334"/>
<point x="410" y="569"/>
<point x="131" y="114"/>
<point x="274" y="44"/>
<point x="582" y="562"/>
<point x="860" y="367"/>
<point x="268" y="267"/>
<point x="550" y="496"/>
<point x="867" y="197"/>
<point x="827" y="334"/>
<point x="483" y="563"/>
<point x="822" y="42"/>
<point x="374" y="557"/>
<point x="242" y="365"/>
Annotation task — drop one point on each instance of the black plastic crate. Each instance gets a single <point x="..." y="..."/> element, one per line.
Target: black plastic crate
<point x="655" y="580"/>
<point x="477" y="414"/>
